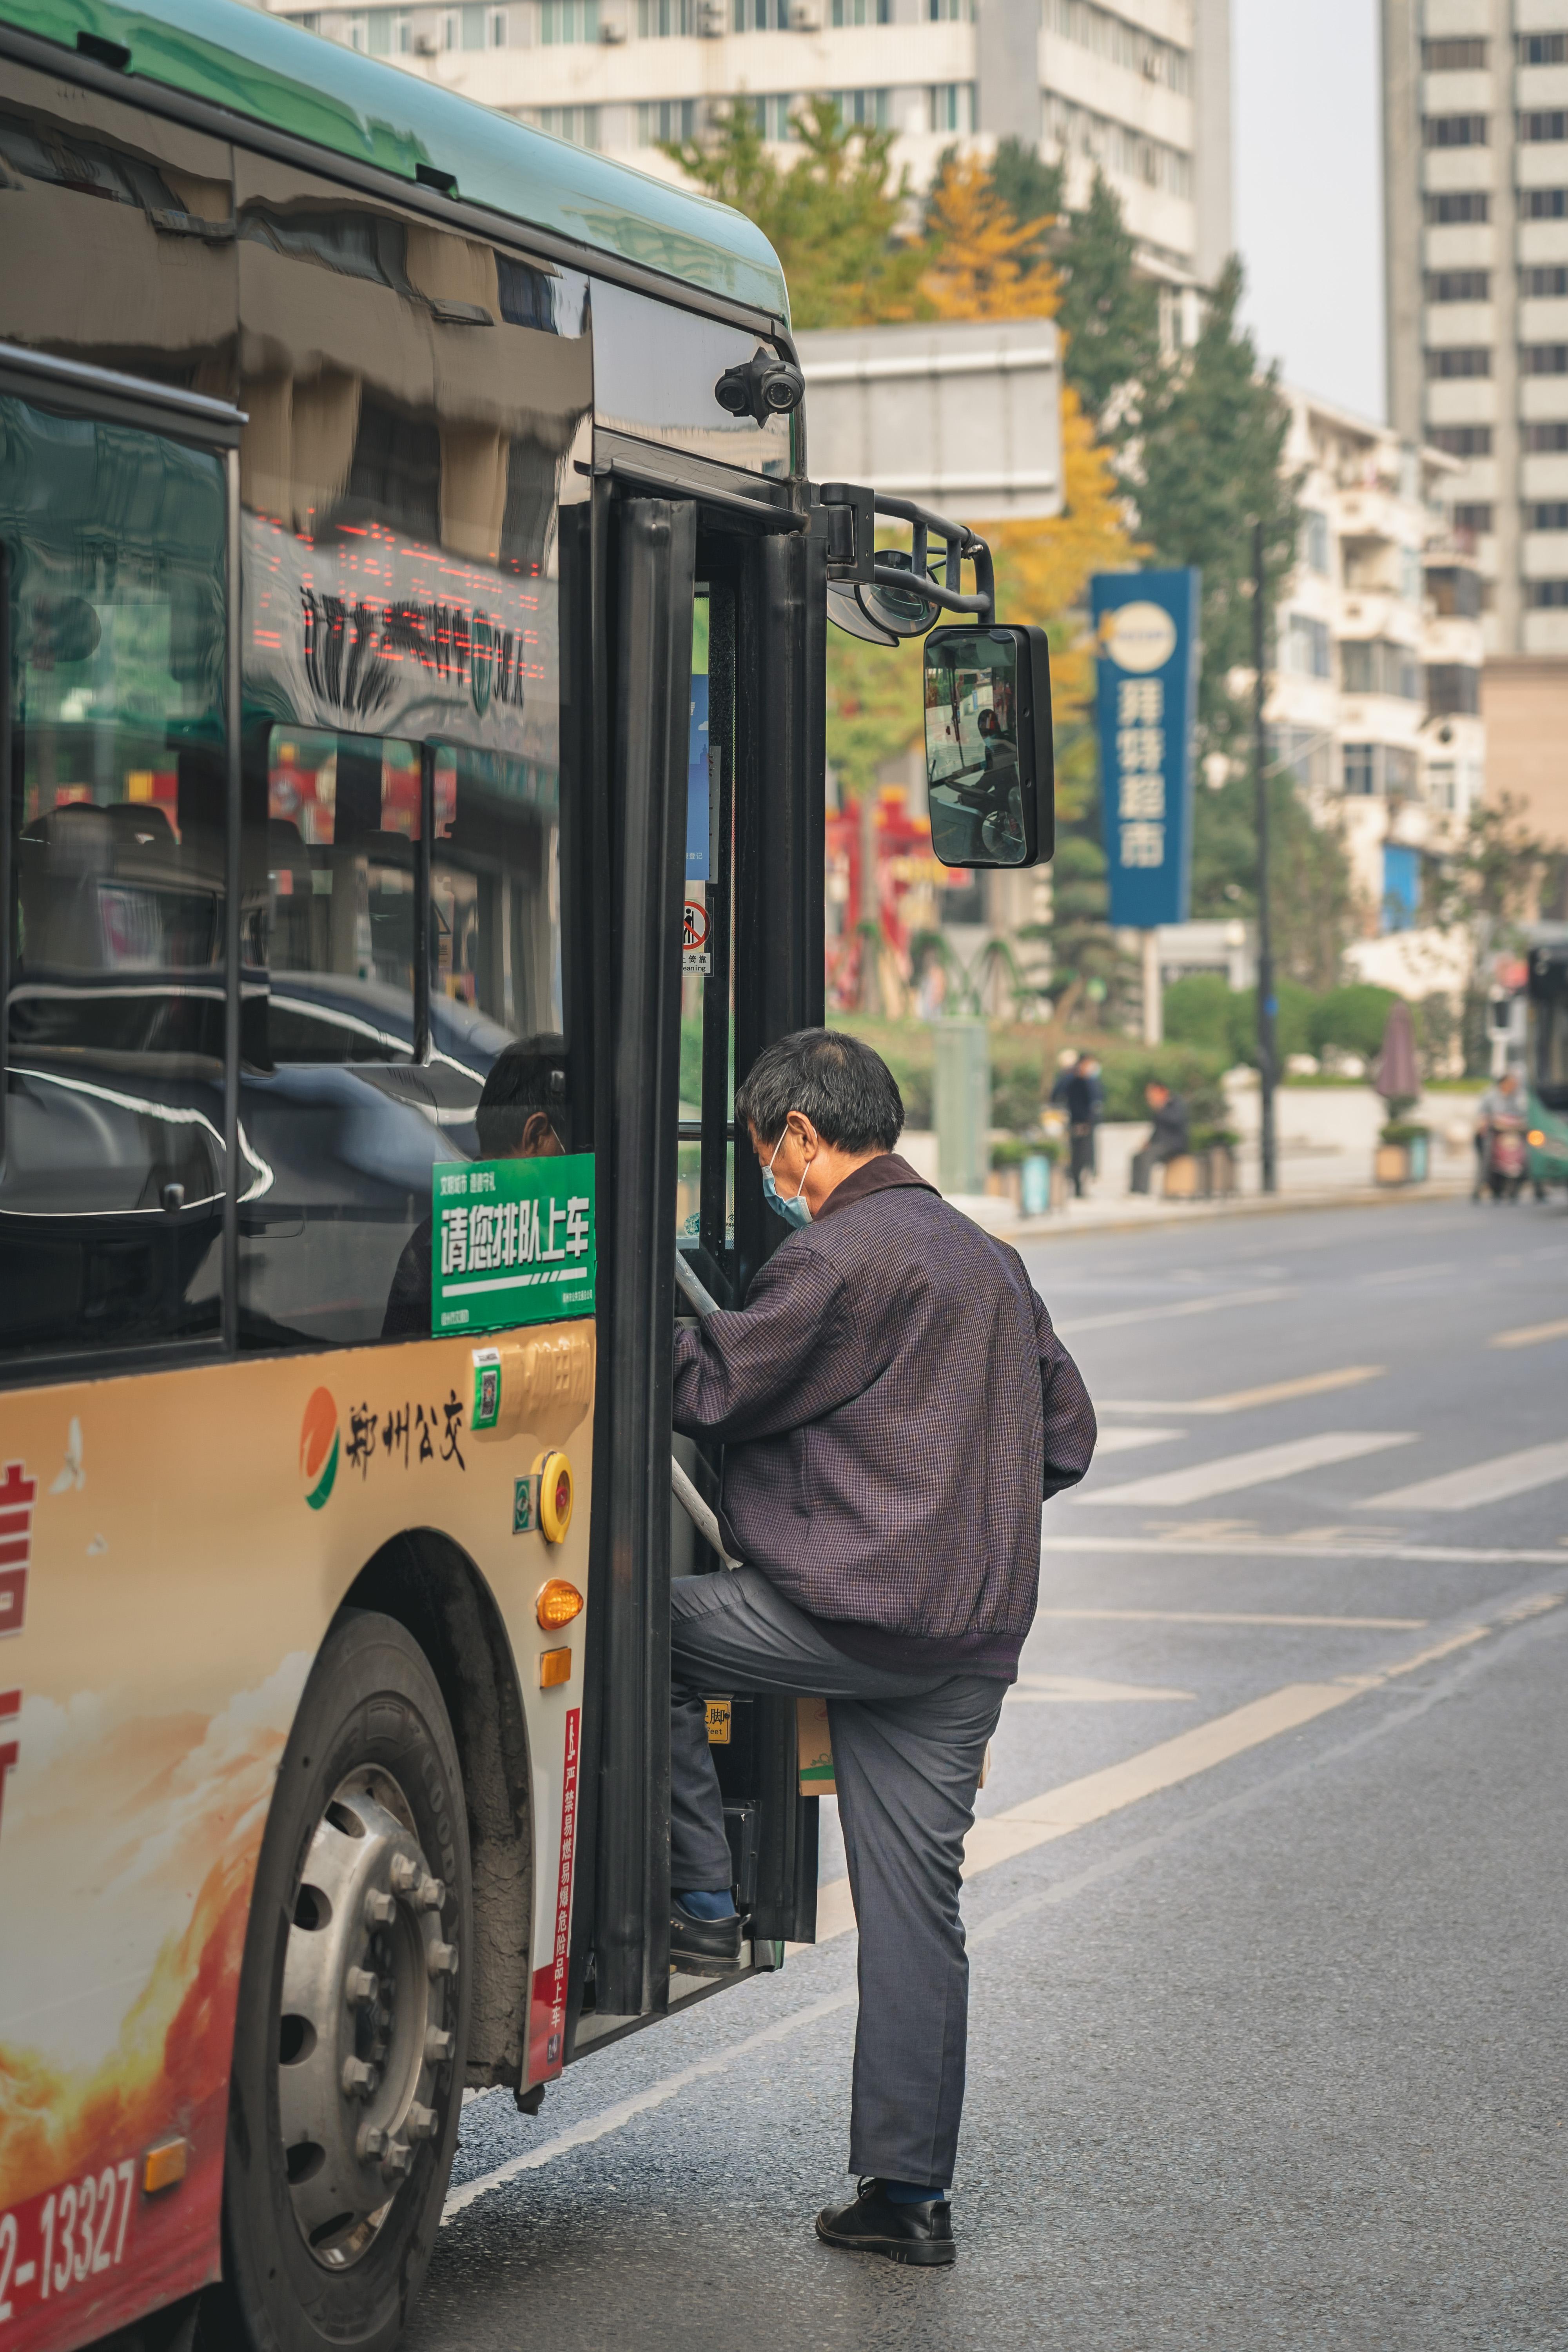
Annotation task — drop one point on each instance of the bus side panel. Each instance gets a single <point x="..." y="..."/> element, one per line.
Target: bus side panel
<point x="172" y="1547"/>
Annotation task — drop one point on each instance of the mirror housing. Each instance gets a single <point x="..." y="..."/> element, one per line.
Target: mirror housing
<point x="990" y="763"/>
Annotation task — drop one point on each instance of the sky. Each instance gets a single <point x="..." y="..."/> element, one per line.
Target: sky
<point x="1308" y="192"/>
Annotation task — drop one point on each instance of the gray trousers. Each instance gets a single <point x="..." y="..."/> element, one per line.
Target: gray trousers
<point x="906" y="1753"/>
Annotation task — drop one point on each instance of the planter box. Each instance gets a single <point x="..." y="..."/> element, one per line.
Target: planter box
<point x="1222" y="1171"/>
<point x="1184" y="1179"/>
<point x="1391" y="1164"/>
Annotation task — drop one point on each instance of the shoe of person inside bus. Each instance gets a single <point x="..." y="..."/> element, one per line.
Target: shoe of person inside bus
<point x="875" y="2222"/>
<point x="703" y="1940"/>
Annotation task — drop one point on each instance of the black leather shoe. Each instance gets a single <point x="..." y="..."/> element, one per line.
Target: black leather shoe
<point x="872" y="2224"/>
<point x="703" y="1947"/>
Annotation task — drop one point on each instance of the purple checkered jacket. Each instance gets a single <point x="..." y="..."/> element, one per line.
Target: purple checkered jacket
<point x="893" y="1403"/>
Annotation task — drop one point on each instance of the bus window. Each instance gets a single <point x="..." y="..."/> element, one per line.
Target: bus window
<point x="495" y="928"/>
<point x="112" y="545"/>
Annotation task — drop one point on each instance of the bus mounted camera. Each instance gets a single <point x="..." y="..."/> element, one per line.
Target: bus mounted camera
<point x="761" y="387"/>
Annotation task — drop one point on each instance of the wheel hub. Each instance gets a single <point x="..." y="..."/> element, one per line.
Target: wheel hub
<point x="365" y="2043"/>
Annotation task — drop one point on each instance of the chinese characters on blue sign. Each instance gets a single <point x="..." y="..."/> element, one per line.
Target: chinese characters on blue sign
<point x="1146" y="629"/>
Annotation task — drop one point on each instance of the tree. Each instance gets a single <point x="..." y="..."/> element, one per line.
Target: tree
<point x="1110" y="316"/>
<point x="1489" y="887"/>
<point x="982" y="263"/>
<point x="834" y="218"/>
<point x="1031" y="190"/>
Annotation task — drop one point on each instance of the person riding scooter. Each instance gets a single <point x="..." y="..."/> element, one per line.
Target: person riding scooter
<point x="1499" y="1139"/>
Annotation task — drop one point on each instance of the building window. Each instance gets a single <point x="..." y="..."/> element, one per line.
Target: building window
<point x="1544" y="204"/>
<point x="474" y="25"/>
<point x="1458" y="359"/>
<point x="1454" y="56"/>
<point x="953" y="106"/>
<point x="1455" y="591"/>
<point x="378" y="26"/>
<point x="863" y="109"/>
<point x="1541" y="282"/>
<point x="401" y="34"/>
<point x="663" y="20"/>
<point x="1541" y="125"/>
<point x="1549" y="434"/>
<point x="561" y="21"/>
<point x="1078" y="130"/>
<point x="1462" y="440"/>
<point x="1361" y="770"/>
<point x="1546" y="595"/>
<point x="762" y="15"/>
<point x="1376" y="665"/>
<point x="1304" y="646"/>
<point x="1111" y="36"/>
<point x="1401" y="886"/>
<point x="773" y="115"/>
<point x="950" y="12"/>
<point x="1542" y="48"/>
<point x="580" y="124"/>
<point x="1459" y="286"/>
<point x="1456" y="205"/>
<point x="1546" y="514"/>
<point x="663" y="119"/>
<point x="1477" y="520"/>
<point x="1453" y="690"/>
<point x="1543" y="359"/>
<point x="1315" y="549"/>
<point x="1454" y="130"/>
<point x="359" y="33"/>
<point x="497" y="28"/>
<point x="862" y="12"/>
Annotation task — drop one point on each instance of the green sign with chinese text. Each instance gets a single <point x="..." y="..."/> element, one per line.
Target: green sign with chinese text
<point x="511" y="1241"/>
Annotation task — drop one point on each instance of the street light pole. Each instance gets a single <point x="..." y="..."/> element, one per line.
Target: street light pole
<point x="1265" y="1062"/>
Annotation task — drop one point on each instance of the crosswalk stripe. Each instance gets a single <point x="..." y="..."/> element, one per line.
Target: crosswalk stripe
<point x="1127" y="1441"/>
<point x="1122" y="1314"/>
<point x="1483" y="1482"/>
<point x="1349" y="1376"/>
<point x="1528" y="1335"/>
<point x="1230" y="1472"/>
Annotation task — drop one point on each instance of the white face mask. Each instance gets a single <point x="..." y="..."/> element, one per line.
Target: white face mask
<point x="795" y="1211"/>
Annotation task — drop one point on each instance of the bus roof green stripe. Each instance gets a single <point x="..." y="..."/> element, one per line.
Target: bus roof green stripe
<point x="275" y="73"/>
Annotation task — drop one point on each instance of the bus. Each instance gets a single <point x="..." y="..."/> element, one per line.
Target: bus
<point x="1546" y="1053"/>
<point x="413" y="610"/>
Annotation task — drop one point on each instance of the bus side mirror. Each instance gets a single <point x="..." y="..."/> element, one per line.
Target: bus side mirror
<point x="990" y="769"/>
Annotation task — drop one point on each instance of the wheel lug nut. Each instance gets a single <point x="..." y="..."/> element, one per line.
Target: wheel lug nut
<point x="370" y="2144"/>
<point x="361" y="1984"/>
<point x="437" y="2045"/>
<point x="405" y="1873"/>
<point x="380" y="1910"/>
<point x="359" y="2078"/>
<point x="429" y="1895"/>
<point x="420" y="2122"/>
<point x="441" y="1959"/>
<point x="399" y="2155"/>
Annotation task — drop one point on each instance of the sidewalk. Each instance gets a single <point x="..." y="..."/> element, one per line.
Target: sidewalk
<point x="1130" y="1214"/>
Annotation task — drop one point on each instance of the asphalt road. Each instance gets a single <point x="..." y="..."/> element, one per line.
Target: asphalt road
<point x="1268" y="2042"/>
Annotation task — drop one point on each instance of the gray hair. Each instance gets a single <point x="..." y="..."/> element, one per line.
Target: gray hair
<point x="846" y="1091"/>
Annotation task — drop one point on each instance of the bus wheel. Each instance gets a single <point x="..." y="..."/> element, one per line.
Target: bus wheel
<point x="353" y="2010"/>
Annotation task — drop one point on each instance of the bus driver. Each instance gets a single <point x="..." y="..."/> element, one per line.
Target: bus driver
<point x="894" y="1402"/>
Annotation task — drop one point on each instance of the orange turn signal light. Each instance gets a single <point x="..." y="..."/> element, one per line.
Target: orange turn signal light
<point x="163" y="2166"/>
<point x="557" y="1604"/>
<point x="554" y="1666"/>
<point x="1536" y="1139"/>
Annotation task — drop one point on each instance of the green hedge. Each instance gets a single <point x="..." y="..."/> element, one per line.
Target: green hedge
<point x="1024" y="1065"/>
<point x="1204" y="1011"/>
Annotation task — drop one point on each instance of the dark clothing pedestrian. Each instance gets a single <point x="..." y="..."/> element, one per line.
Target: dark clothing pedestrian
<point x="907" y="1754"/>
<point x="1082" y="1099"/>
<point x="894" y="1402"/>
<point x="1168" y="1140"/>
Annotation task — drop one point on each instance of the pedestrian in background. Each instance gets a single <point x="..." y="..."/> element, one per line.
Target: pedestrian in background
<point x="1168" y="1138"/>
<point x="1082" y="1098"/>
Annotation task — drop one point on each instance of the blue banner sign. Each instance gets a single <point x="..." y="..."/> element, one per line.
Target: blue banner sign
<point x="697" y="812"/>
<point x="1146" y="632"/>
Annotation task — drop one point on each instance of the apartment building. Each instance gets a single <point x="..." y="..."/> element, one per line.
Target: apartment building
<point x="1375" y="700"/>
<point x="1476" y="160"/>
<point x="1139" y="87"/>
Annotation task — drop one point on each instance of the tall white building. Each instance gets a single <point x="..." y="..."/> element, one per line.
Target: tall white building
<point x="1476" y="163"/>
<point x="1375" y="703"/>
<point x="1141" y="86"/>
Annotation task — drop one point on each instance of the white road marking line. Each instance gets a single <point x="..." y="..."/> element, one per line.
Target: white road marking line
<point x="1235" y="1617"/>
<point x="1349" y="1376"/>
<point x="1085" y="1690"/>
<point x="1483" y="1482"/>
<point x="1530" y="1335"/>
<point x="1245" y="1547"/>
<point x="1127" y="1441"/>
<point x="1258" y="1467"/>
<point x="1036" y="1822"/>
<point x="1412" y="1273"/>
<point x="1124" y="1315"/>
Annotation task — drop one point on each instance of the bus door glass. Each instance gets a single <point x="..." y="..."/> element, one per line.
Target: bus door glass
<point x="113" y="546"/>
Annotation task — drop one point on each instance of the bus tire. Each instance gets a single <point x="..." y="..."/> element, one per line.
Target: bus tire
<point x="353" y="2027"/>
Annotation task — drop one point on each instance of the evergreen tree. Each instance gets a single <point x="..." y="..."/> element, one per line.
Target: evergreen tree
<point x="834" y="218"/>
<point x="1031" y="190"/>
<point x="1108" y="314"/>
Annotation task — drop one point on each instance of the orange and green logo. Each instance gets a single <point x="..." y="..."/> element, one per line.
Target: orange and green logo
<point x="319" y="1448"/>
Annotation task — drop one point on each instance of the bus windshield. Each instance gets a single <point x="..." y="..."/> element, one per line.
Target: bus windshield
<point x="1549" y="1021"/>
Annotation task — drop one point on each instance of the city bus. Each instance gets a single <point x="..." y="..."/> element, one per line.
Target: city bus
<point x="1546" y="1053"/>
<point x="413" y="607"/>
